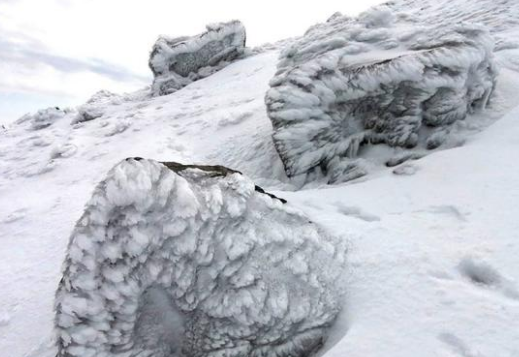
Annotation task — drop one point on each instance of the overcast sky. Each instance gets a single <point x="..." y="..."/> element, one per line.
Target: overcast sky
<point x="60" y="52"/>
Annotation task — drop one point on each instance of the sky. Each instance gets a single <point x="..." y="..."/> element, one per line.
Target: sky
<point x="60" y="52"/>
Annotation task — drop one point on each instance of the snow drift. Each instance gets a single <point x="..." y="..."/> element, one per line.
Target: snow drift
<point x="380" y="78"/>
<point x="171" y="260"/>
<point x="176" y="62"/>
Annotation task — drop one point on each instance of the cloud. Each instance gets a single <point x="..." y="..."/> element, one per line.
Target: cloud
<point x="31" y="54"/>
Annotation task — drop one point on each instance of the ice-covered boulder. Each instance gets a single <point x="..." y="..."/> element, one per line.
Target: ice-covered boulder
<point x="95" y="107"/>
<point x="174" y="260"/>
<point x="176" y="62"/>
<point x="381" y="78"/>
<point x="43" y="118"/>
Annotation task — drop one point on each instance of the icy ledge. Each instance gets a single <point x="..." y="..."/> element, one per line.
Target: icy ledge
<point x="173" y="260"/>
<point x="378" y="79"/>
<point x="176" y="62"/>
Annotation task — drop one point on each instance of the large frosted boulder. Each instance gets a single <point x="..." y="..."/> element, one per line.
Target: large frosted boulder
<point x="176" y="62"/>
<point x="174" y="260"/>
<point x="379" y="79"/>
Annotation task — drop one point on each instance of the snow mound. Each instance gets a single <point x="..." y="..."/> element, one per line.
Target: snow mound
<point x="176" y="62"/>
<point x="172" y="260"/>
<point x="377" y="79"/>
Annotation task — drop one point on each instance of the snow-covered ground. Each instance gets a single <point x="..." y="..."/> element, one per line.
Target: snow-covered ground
<point x="433" y="258"/>
<point x="433" y="268"/>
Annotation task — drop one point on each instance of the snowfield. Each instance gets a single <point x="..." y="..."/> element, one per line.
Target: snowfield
<point x="177" y="62"/>
<point x="432" y="267"/>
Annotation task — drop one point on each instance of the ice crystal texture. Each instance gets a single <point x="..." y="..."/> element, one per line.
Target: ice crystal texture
<point x="194" y="263"/>
<point x="379" y="79"/>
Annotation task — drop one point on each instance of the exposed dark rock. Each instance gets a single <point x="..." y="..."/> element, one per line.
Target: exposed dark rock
<point x="213" y="171"/>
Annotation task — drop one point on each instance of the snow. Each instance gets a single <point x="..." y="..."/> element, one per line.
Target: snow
<point x="46" y="193"/>
<point x="432" y="265"/>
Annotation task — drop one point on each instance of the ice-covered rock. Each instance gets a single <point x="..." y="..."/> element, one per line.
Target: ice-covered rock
<point x="95" y="107"/>
<point x="43" y="118"/>
<point x="176" y="62"/>
<point x="379" y="79"/>
<point x="174" y="260"/>
<point x="500" y="17"/>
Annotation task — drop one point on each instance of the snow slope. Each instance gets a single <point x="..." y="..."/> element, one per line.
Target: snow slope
<point x="433" y="267"/>
<point x="48" y="175"/>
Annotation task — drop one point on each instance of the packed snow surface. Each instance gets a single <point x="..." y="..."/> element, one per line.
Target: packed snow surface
<point x="432" y="266"/>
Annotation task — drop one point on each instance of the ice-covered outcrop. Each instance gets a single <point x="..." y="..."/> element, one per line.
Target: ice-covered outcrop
<point x="176" y="62"/>
<point x="174" y="260"/>
<point x="95" y="107"/>
<point x="379" y="79"/>
<point x="43" y="118"/>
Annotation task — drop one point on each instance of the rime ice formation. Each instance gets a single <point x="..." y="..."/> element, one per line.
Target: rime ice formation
<point x="42" y="118"/>
<point x="379" y="79"/>
<point x="176" y="62"/>
<point x="95" y="107"/>
<point x="171" y="260"/>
